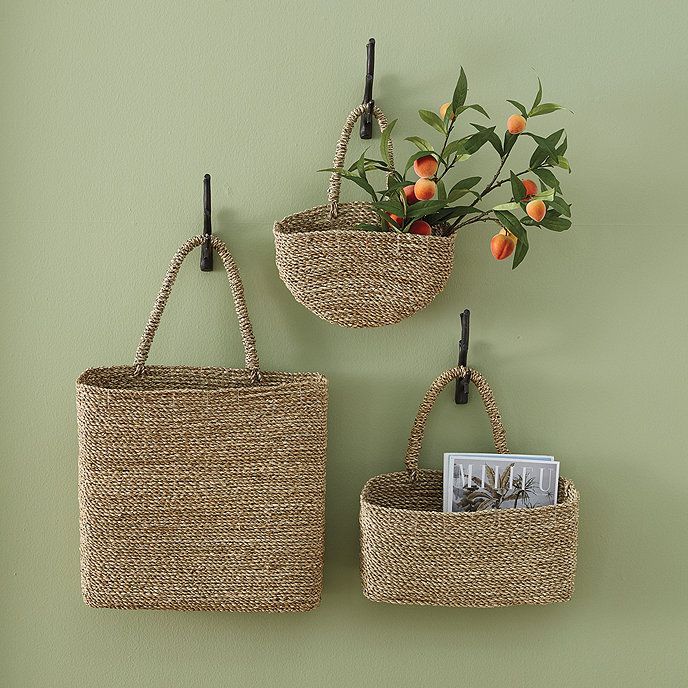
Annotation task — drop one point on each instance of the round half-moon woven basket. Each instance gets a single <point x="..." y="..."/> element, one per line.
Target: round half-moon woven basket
<point x="353" y="277"/>
<point x="414" y="553"/>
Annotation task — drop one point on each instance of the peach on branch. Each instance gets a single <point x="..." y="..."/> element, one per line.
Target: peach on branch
<point x="425" y="166"/>
<point x="424" y="189"/>
<point x="502" y="245"/>
<point x="420" y="227"/>
<point x="530" y="186"/>
<point x="410" y="194"/>
<point x="516" y="124"/>
<point x="536" y="210"/>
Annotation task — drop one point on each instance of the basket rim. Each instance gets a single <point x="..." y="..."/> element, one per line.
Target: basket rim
<point x="298" y="380"/>
<point x="571" y="500"/>
<point x="418" y="238"/>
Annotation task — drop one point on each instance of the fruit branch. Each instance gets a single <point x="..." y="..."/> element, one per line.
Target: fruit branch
<point x="426" y="207"/>
<point x="491" y="186"/>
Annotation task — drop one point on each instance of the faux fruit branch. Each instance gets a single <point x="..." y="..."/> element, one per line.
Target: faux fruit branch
<point x="429" y="206"/>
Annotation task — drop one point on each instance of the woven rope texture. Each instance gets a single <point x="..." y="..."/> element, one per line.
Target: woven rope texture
<point x="413" y="553"/>
<point x="201" y="488"/>
<point x="352" y="277"/>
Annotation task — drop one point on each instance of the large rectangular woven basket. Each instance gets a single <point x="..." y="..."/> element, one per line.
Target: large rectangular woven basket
<point x="201" y="488"/>
<point x="413" y="553"/>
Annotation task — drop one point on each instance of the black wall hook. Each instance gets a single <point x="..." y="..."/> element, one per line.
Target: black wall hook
<point x="206" y="247"/>
<point x="463" y="383"/>
<point x="367" y="118"/>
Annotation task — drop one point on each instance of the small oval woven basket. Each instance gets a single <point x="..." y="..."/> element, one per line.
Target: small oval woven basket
<point x="202" y="488"/>
<point x="414" y="553"/>
<point x="353" y="277"/>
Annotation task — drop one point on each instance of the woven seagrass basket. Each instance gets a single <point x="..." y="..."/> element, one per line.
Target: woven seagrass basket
<point x="201" y="488"/>
<point x="353" y="277"/>
<point x="413" y="553"/>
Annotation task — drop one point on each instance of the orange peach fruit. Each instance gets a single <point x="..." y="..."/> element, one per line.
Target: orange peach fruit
<point x="536" y="210"/>
<point x="425" y="166"/>
<point x="516" y="124"/>
<point x="530" y="186"/>
<point x="420" y="227"/>
<point x="424" y="189"/>
<point x="410" y="194"/>
<point x="397" y="219"/>
<point x="502" y="245"/>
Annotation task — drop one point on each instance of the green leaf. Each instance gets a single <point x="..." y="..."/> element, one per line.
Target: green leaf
<point x="562" y="149"/>
<point x="518" y="191"/>
<point x="520" y="251"/>
<point x="469" y="144"/>
<point x="420" y="143"/>
<point x="538" y="97"/>
<point x="441" y="191"/>
<point x="462" y="188"/>
<point x="546" y="195"/>
<point x="361" y="182"/>
<point x="390" y="206"/>
<point x="478" y="140"/>
<point x="433" y="120"/>
<point x="509" y="141"/>
<point x="494" y="139"/>
<point x="393" y="186"/>
<point x="547" y="178"/>
<point x="540" y="155"/>
<point x="460" y="92"/>
<point x="510" y="221"/>
<point x="477" y="108"/>
<point x="449" y="213"/>
<point x="423" y="208"/>
<point x="521" y="108"/>
<point x="563" y="163"/>
<point x="467" y="183"/>
<point x="554" y="137"/>
<point x="455" y="147"/>
<point x="561" y="206"/>
<point x="361" y="167"/>
<point x="455" y="194"/>
<point x="507" y="206"/>
<point x="545" y="109"/>
<point x="556" y="224"/>
<point x="385" y="220"/>
<point x="384" y="141"/>
<point x="544" y="144"/>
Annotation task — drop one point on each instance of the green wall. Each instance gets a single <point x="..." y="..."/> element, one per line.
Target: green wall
<point x="110" y="115"/>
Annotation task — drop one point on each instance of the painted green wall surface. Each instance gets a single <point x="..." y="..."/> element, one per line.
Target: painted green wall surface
<point x="110" y="114"/>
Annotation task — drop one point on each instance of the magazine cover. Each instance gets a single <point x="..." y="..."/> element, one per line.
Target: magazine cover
<point x="475" y="482"/>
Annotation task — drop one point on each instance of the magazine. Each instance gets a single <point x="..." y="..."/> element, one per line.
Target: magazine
<point x="476" y="482"/>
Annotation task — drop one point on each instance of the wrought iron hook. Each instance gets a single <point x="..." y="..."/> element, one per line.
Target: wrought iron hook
<point x="206" y="247"/>
<point x="463" y="383"/>
<point x="367" y="117"/>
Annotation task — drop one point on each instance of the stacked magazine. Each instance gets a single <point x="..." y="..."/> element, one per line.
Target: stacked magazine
<point x="476" y="482"/>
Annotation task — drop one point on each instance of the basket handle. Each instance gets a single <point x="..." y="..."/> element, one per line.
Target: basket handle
<point x="340" y="154"/>
<point x="237" y="292"/>
<point x="418" y="430"/>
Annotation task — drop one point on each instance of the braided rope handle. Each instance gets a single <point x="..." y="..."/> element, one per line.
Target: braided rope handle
<point x="418" y="430"/>
<point x="235" y="284"/>
<point x="340" y="154"/>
